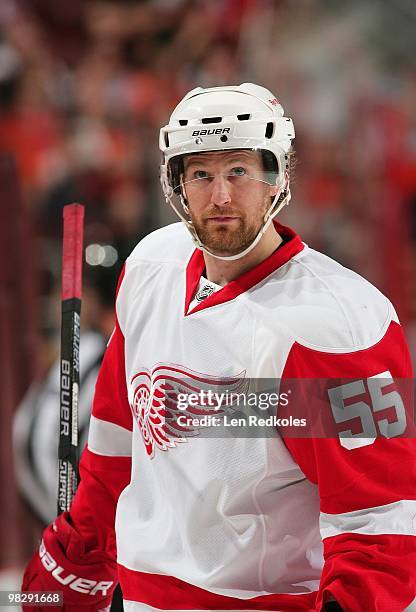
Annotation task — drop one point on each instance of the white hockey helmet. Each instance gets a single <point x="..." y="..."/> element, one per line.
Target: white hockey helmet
<point x="243" y="116"/>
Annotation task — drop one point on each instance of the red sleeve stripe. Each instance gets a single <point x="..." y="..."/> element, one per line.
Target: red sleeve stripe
<point x="108" y="439"/>
<point x="371" y="574"/>
<point x="101" y="463"/>
<point x="398" y="518"/>
<point x="111" y="400"/>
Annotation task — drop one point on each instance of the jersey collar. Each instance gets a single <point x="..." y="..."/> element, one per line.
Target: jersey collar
<point x="196" y="265"/>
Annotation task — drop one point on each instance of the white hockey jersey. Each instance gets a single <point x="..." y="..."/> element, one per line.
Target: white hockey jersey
<point x="260" y="523"/>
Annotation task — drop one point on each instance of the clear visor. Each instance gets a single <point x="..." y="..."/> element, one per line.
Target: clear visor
<point x="235" y="178"/>
<point x="197" y="174"/>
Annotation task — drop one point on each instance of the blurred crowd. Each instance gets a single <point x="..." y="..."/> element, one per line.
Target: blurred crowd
<point x="85" y="86"/>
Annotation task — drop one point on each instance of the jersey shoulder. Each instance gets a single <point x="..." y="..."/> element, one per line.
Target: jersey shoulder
<point x="328" y="307"/>
<point x="158" y="258"/>
<point x="169" y="244"/>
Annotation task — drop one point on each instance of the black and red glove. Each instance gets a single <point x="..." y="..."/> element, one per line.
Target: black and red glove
<point x="87" y="579"/>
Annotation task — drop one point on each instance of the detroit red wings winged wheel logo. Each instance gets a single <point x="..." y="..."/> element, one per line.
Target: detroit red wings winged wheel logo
<point x="154" y="400"/>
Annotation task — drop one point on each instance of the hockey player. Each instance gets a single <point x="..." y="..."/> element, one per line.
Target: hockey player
<point x="265" y="523"/>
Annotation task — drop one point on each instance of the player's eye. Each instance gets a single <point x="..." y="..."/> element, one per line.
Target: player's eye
<point x="200" y="174"/>
<point x="238" y="171"/>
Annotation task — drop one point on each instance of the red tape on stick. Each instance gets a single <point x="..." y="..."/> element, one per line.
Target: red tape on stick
<point x="72" y="251"/>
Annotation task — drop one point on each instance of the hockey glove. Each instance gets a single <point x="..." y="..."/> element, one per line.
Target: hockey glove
<point x="87" y="579"/>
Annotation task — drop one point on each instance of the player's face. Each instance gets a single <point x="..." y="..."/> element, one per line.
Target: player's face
<point x="227" y="196"/>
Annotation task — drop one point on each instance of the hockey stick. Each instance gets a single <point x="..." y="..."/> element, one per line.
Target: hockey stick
<point x="70" y="340"/>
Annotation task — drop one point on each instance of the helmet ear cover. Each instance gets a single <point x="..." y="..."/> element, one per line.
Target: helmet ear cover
<point x="270" y="165"/>
<point x="176" y="170"/>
